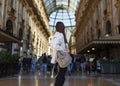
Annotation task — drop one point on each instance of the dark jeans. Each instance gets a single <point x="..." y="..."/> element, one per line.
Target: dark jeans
<point x="60" y="79"/>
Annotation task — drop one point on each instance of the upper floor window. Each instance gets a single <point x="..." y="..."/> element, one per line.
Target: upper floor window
<point x="99" y="33"/>
<point x="9" y="27"/>
<point x="105" y="4"/>
<point x="92" y="35"/>
<point x="97" y="12"/>
<point x="119" y="24"/>
<point x="12" y="3"/>
<point x="119" y="18"/>
<point x="22" y="11"/>
<point x="108" y="27"/>
<point x="21" y="34"/>
<point x="105" y="7"/>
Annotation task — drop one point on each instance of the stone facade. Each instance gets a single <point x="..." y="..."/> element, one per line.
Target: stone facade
<point x="22" y="20"/>
<point x="98" y="21"/>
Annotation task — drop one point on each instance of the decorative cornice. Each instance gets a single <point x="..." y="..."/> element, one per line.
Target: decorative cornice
<point x="34" y="18"/>
<point x="29" y="11"/>
<point x="106" y="18"/>
<point x="117" y="5"/>
<point x="45" y="9"/>
<point x="79" y="8"/>
<point x="11" y="13"/>
<point x="87" y="13"/>
<point x="38" y="16"/>
<point x="81" y="23"/>
<point x="22" y="23"/>
<point x="38" y="24"/>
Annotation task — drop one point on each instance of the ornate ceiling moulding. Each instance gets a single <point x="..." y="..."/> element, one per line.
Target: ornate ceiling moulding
<point x="22" y="23"/>
<point x="43" y="31"/>
<point x="105" y="18"/>
<point x="29" y="10"/>
<point x="11" y="13"/>
<point x="36" y="13"/>
<point x="117" y="5"/>
<point x="44" y="9"/>
<point x="41" y="27"/>
<point x="79" y="9"/>
<point x="38" y="24"/>
<point x="34" y="19"/>
<point x="39" y="13"/>
<point x="24" y="3"/>
<point x="89" y="10"/>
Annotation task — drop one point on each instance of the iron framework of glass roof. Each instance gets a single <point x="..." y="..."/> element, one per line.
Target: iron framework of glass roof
<point x="62" y="15"/>
<point x="52" y="5"/>
<point x="62" y="10"/>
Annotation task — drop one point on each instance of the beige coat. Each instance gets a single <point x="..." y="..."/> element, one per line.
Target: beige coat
<point x="57" y="43"/>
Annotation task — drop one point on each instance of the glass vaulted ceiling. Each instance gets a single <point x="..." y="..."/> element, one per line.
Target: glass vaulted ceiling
<point x="61" y="10"/>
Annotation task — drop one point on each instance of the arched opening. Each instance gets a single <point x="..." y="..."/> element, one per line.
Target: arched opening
<point x="119" y="24"/>
<point x="99" y="33"/>
<point x="108" y="27"/>
<point x="92" y="34"/>
<point x="9" y="27"/>
<point x="9" y="30"/>
<point x="20" y="33"/>
<point x="28" y="38"/>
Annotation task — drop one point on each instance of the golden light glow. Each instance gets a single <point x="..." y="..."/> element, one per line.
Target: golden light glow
<point x="93" y="48"/>
<point x="88" y="51"/>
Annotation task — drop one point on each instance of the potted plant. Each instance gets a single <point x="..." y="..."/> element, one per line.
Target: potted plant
<point x="9" y="63"/>
<point x="110" y="66"/>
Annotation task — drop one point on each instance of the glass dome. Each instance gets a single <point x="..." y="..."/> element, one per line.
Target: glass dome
<point x="64" y="16"/>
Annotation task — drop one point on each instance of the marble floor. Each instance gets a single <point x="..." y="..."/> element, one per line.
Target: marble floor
<point x="76" y="79"/>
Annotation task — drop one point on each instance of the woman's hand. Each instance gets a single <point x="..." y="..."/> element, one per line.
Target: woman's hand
<point x="68" y="51"/>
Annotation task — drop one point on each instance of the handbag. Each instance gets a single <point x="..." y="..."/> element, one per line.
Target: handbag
<point x="63" y="58"/>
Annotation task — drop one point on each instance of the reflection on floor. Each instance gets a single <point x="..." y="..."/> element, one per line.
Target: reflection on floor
<point x="76" y="79"/>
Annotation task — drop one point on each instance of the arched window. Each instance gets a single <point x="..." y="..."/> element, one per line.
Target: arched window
<point x="108" y="27"/>
<point x="9" y="30"/>
<point x="12" y="3"/>
<point x="28" y="34"/>
<point x="9" y="27"/>
<point x="92" y="34"/>
<point x="87" y="37"/>
<point x="99" y="33"/>
<point x="105" y="7"/>
<point x="119" y="24"/>
<point x="21" y="34"/>
<point x="105" y="4"/>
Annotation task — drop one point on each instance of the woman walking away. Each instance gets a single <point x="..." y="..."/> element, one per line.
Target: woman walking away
<point x="59" y="42"/>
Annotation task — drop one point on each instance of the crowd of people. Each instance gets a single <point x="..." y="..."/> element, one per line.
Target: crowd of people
<point x="43" y="65"/>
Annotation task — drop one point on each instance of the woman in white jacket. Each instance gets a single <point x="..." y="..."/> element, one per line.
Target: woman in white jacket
<point x="59" y="42"/>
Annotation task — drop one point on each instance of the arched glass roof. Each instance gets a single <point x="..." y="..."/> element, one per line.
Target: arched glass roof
<point x="62" y="10"/>
<point x="52" y="5"/>
<point x="62" y="15"/>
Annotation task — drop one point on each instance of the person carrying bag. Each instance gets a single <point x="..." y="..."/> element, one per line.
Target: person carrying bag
<point x="60" y="53"/>
<point x="63" y="58"/>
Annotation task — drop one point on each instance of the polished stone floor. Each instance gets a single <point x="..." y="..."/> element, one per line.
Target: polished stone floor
<point x="76" y="79"/>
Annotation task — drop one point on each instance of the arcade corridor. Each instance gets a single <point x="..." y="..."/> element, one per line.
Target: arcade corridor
<point x="92" y="29"/>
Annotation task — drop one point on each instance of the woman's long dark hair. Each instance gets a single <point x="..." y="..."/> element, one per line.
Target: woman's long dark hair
<point x="61" y="28"/>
